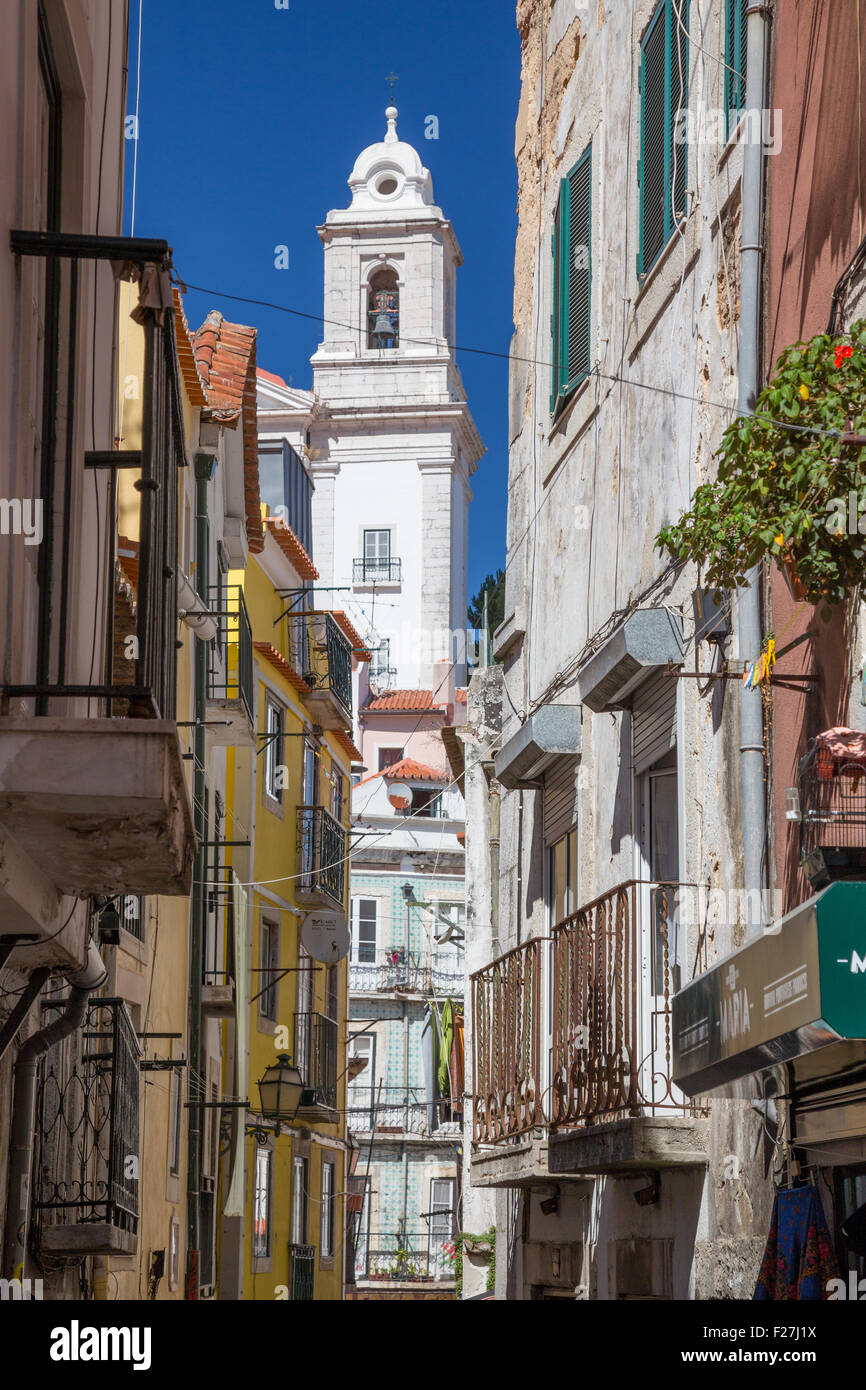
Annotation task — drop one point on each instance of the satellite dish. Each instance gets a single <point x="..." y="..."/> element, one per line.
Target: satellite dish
<point x="326" y="936"/>
<point x="399" y="799"/>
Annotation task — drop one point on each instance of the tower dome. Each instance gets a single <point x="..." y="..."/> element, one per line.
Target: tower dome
<point x="389" y="175"/>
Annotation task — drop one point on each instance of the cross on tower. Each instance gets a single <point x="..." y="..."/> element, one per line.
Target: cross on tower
<point x="392" y="79"/>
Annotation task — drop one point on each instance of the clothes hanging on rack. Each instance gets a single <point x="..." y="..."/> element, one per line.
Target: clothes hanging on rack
<point x="799" y="1259"/>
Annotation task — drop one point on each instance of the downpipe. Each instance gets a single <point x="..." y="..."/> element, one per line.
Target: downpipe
<point x="82" y="984"/>
<point x="749" y="626"/>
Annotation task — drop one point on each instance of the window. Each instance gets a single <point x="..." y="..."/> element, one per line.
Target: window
<point x="299" y="1201"/>
<point x="441" y="1225"/>
<point x="377" y="554"/>
<point x="286" y="488"/>
<point x="262" y="1205"/>
<point x="562" y="880"/>
<point x="663" y="93"/>
<point x="304" y="1015"/>
<point x="131" y="912"/>
<point x="365" y="913"/>
<point x="426" y="803"/>
<point x="384" y="310"/>
<point x="380" y="666"/>
<point x="275" y="734"/>
<point x="572" y="256"/>
<point x="269" y="963"/>
<point x="338" y="792"/>
<point x="332" y="992"/>
<point x="389" y="757"/>
<point x="175" y="1122"/>
<point x="328" y="1208"/>
<point x="735" y="59"/>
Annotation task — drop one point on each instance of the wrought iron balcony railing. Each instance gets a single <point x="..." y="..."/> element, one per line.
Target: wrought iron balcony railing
<point x="406" y="1258"/>
<point x="397" y="971"/>
<point x="230" y="658"/>
<point x="614" y="966"/>
<point x="367" y="571"/>
<point x="302" y="1260"/>
<point x="322" y="851"/>
<point x="321" y="652"/>
<point x="316" y="1042"/>
<point x="86" y="1153"/>
<point x="394" y="1110"/>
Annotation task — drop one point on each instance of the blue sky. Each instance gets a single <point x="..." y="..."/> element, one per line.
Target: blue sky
<point x="250" y="121"/>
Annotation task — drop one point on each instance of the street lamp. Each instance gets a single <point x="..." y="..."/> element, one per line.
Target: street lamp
<point x="281" y="1089"/>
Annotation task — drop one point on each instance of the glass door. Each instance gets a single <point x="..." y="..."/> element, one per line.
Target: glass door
<point x="662" y="947"/>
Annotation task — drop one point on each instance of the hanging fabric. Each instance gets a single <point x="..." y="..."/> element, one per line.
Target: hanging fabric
<point x="799" y="1259"/>
<point x="457" y="1065"/>
<point x="447" y="1024"/>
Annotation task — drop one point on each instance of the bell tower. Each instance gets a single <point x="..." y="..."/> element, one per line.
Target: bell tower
<point x="392" y="441"/>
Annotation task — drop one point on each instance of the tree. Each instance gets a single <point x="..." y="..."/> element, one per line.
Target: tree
<point x="494" y="587"/>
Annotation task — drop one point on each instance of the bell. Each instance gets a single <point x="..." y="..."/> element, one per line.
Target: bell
<point x="383" y="327"/>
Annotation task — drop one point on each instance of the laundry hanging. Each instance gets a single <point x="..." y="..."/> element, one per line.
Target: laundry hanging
<point x="799" y="1259"/>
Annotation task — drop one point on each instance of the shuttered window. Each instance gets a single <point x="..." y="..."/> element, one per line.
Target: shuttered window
<point x="735" y="59"/>
<point x="664" y="67"/>
<point x="572" y="281"/>
<point x="560" y="800"/>
<point x="654" y="721"/>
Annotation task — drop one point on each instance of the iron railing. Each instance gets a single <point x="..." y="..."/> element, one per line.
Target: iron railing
<point x="144" y="685"/>
<point x="302" y="1262"/>
<point x="394" y="1110"/>
<point x="322" y="850"/>
<point x="397" y="971"/>
<point x="86" y="1152"/>
<point x="506" y="1044"/>
<point x="316" y="1043"/>
<point x="230" y="657"/>
<point x="321" y="652"/>
<point x="368" y="571"/>
<point x="832" y="791"/>
<point x="406" y="1258"/>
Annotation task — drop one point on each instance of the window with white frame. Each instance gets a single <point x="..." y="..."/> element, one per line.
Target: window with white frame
<point x="275" y="723"/>
<point x="328" y="1209"/>
<point x="441" y="1226"/>
<point x="269" y="968"/>
<point x="262" y="1205"/>
<point x="365" y="930"/>
<point x="299" y="1201"/>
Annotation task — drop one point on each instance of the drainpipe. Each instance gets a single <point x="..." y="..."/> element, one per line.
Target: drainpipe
<point x="82" y="983"/>
<point x="495" y="805"/>
<point x="205" y="465"/>
<point x="750" y="634"/>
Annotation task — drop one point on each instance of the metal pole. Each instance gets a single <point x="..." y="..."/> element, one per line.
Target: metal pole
<point x="749" y="626"/>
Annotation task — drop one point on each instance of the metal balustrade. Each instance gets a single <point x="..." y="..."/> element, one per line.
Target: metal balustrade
<point x="506" y="1044"/>
<point x="302" y="1261"/>
<point x="316" y="1042"/>
<point x="321" y="652"/>
<point x="322" y="850"/>
<point x="396" y="971"/>
<point x="406" y="1257"/>
<point x="230" y="656"/>
<point x="368" y="571"/>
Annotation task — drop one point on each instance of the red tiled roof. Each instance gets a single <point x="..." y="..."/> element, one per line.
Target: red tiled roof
<point x="271" y="376"/>
<point x="291" y="547"/>
<point x="225" y="354"/>
<point x="403" y="702"/>
<point x="407" y="770"/>
<point x="347" y="745"/>
<point x="278" y="661"/>
<point x="358" y="648"/>
<point x="192" y="380"/>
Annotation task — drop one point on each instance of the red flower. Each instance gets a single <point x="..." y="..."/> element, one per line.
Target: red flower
<point x="842" y="352"/>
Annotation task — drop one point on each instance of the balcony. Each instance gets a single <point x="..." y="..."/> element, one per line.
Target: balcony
<point x="230" y="687"/>
<point x="832" y="808"/>
<point x="417" y="1257"/>
<point x="368" y="572"/>
<point x="393" y="1112"/>
<point x="93" y="798"/>
<point x="302" y="1266"/>
<point x="316" y="1044"/>
<point x="323" y="847"/>
<point x="85" y="1190"/>
<point x="321" y="652"/>
<point x="397" y="971"/>
<point x="596" y="1095"/>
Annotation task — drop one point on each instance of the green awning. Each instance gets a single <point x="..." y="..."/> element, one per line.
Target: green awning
<point x="798" y="988"/>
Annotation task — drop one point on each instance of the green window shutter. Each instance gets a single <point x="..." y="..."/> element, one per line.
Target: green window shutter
<point x="561" y="288"/>
<point x="736" y="53"/>
<point x="580" y="269"/>
<point x="664" y="91"/>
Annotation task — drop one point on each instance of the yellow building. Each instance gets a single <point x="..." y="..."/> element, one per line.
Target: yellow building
<point x="293" y="791"/>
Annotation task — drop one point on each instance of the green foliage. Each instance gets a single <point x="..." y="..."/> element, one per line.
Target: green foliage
<point x="489" y="1237"/>
<point x="494" y="586"/>
<point x="782" y="493"/>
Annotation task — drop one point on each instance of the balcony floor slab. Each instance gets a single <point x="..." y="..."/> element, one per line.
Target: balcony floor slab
<point x="631" y="1145"/>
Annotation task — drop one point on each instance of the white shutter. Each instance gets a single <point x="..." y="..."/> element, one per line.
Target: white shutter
<point x="654" y="721"/>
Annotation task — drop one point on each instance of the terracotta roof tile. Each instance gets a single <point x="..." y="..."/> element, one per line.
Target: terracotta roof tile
<point x="358" y="648"/>
<point x="291" y="547"/>
<point x="186" y="356"/>
<point x="278" y="661"/>
<point x="347" y="745"/>
<point x="225" y="354"/>
<point x="271" y="376"/>
<point x="403" y="701"/>
<point x="408" y="770"/>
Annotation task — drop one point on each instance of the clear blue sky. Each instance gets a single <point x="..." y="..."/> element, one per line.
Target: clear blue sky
<point x="250" y="121"/>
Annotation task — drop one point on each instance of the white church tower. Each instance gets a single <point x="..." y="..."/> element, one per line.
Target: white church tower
<point x="392" y="442"/>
